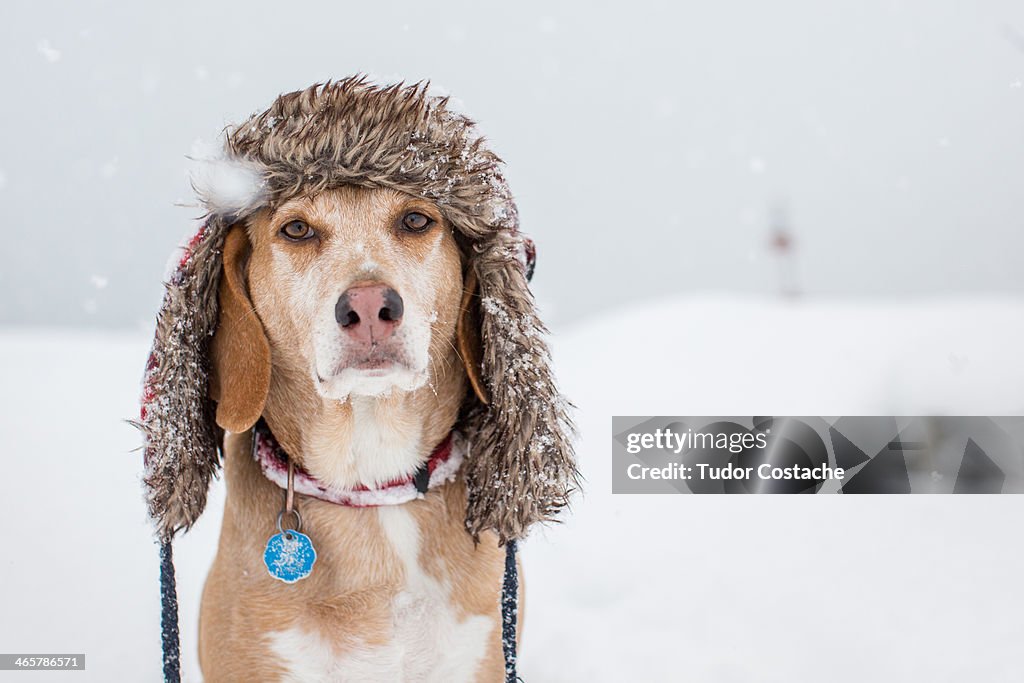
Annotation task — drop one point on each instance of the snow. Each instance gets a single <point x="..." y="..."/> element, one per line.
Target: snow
<point x="49" y="53"/>
<point x="639" y="588"/>
<point x="223" y="184"/>
<point x="109" y="168"/>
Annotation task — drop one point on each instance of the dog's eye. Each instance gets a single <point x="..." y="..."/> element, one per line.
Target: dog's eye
<point x="416" y="222"/>
<point x="297" y="230"/>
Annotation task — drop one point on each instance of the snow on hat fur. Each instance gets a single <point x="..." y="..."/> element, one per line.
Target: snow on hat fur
<point x="351" y="132"/>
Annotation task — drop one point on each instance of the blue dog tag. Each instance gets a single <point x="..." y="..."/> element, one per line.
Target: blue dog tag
<point x="289" y="556"/>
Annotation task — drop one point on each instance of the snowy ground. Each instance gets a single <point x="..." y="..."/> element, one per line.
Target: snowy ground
<point x="637" y="588"/>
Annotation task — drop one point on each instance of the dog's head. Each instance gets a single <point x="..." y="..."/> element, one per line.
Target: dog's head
<point x="355" y="291"/>
<point x="381" y="248"/>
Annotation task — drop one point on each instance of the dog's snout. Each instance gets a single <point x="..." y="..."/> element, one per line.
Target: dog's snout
<point x="369" y="313"/>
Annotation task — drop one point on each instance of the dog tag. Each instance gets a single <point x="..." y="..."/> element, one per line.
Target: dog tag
<point x="289" y="556"/>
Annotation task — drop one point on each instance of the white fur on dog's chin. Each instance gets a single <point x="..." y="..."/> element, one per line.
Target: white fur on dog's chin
<point x="380" y="443"/>
<point x="383" y="441"/>
<point x="355" y="382"/>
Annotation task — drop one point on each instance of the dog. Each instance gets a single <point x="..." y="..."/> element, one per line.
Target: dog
<point x="355" y="341"/>
<point x="400" y="592"/>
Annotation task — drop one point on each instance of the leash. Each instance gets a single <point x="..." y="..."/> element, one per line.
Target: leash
<point x="169" y="616"/>
<point x="510" y="612"/>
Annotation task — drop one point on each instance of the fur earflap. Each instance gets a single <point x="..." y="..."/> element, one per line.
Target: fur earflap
<point x="521" y="467"/>
<point x="177" y="416"/>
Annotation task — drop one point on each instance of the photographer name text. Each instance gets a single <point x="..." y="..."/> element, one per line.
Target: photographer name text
<point x="679" y="441"/>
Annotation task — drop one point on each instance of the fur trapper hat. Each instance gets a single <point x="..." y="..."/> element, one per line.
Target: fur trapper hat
<point x="351" y="132"/>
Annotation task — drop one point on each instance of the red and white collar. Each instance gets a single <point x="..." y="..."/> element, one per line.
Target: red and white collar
<point x="441" y="467"/>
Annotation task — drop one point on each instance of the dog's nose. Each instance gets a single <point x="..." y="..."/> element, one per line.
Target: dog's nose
<point x="369" y="313"/>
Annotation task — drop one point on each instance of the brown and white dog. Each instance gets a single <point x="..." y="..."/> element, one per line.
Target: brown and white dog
<point x="362" y="293"/>
<point x="356" y="293"/>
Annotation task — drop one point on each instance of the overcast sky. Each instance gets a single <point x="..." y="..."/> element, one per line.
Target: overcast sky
<point x="646" y="143"/>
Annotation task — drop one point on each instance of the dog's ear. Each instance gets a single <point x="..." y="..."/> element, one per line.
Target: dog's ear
<point x="467" y="333"/>
<point x="239" y="351"/>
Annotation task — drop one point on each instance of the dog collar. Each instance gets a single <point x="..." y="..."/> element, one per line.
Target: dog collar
<point x="441" y="467"/>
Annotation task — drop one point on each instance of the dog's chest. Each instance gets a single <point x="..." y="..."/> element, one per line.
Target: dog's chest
<point x="427" y="641"/>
